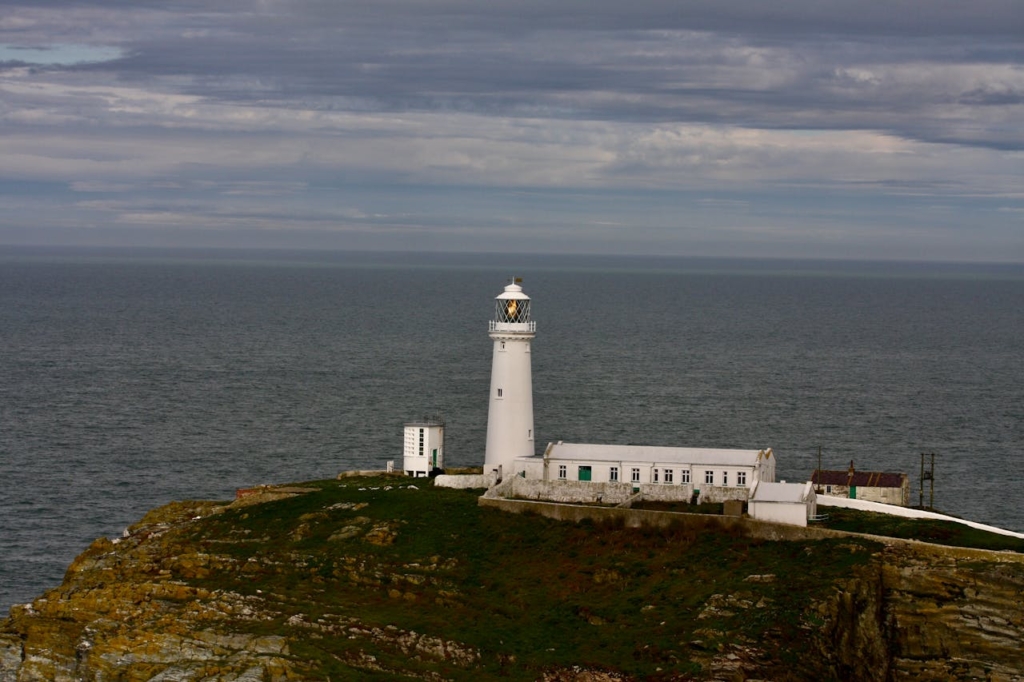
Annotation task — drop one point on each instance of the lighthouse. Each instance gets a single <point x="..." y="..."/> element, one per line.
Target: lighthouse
<point x="510" y="412"/>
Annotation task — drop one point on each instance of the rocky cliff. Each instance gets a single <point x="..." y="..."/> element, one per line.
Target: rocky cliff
<point x="384" y="578"/>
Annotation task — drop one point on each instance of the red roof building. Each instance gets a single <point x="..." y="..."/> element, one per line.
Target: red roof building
<point x="875" y="486"/>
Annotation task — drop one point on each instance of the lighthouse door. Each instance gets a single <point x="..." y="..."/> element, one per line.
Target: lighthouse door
<point x="584" y="473"/>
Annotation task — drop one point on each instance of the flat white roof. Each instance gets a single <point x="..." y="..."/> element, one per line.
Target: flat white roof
<point x="655" y="454"/>
<point x="780" y="492"/>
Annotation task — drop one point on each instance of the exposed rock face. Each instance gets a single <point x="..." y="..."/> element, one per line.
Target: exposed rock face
<point x="929" y="613"/>
<point x="159" y="605"/>
<point x="854" y="635"/>
<point x="954" y="616"/>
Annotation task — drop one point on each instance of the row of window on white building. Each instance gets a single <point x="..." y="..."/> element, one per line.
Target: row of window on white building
<point x="666" y="476"/>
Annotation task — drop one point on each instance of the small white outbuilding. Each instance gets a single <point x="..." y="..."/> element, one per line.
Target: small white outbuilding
<point x="424" y="447"/>
<point x="792" y="503"/>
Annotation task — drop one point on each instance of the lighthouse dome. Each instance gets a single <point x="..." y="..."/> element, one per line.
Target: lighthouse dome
<point x="513" y="291"/>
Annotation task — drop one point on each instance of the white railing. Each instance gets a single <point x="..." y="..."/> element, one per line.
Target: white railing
<point x="513" y="326"/>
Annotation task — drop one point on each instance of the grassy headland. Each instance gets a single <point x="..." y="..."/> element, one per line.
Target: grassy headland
<point x="391" y="578"/>
<point x="528" y="593"/>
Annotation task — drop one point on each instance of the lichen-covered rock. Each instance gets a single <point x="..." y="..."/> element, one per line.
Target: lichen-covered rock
<point x="120" y="615"/>
<point x="10" y="658"/>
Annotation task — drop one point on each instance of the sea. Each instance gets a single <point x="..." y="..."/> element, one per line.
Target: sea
<point x="130" y="378"/>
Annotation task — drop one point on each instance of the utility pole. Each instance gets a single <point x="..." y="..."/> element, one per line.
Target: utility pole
<point x="818" y="477"/>
<point x="930" y="477"/>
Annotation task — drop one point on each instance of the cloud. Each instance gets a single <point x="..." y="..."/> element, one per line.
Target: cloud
<point x="57" y="54"/>
<point x="86" y="186"/>
<point x="344" y="113"/>
<point x="866" y="65"/>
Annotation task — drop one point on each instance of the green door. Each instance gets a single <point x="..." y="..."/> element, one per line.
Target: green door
<point x="584" y="473"/>
<point x="434" y="457"/>
<point x="853" y="492"/>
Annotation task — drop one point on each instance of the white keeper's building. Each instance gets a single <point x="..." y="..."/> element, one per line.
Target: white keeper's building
<point x="707" y="474"/>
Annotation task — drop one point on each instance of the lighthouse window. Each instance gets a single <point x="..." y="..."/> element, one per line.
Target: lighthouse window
<point x="613" y="474"/>
<point x="561" y="472"/>
<point x="503" y="345"/>
<point x="741" y="478"/>
<point x="499" y="392"/>
<point x="725" y="478"/>
<point x="655" y="475"/>
<point x="709" y="476"/>
<point x="684" y="476"/>
<point x="634" y="475"/>
<point x="668" y="475"/>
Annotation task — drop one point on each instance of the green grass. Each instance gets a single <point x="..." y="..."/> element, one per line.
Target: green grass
<point x="528" y="592"/>
<point x="927" y="530"/>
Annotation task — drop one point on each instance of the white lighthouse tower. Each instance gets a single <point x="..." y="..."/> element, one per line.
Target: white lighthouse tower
<point x="510" y="415"/>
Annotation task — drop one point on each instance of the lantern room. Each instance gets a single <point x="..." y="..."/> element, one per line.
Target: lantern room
<point x="512" y="310"/>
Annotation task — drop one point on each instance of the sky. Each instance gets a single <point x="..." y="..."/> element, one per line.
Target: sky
<point x="862" y="129"/>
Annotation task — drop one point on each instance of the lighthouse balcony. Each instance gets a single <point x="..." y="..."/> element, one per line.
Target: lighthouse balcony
<point x="521" y="327"/>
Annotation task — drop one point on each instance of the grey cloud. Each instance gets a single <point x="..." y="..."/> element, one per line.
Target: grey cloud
<point x="782" y="17"/>
<point x="273" y="102"/>
<point x="745" y="75"/>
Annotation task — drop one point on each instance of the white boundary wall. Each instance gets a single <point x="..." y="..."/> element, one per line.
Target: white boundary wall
<point x="864" y="505"/>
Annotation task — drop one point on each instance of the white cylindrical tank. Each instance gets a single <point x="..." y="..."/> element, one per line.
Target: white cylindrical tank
<point x="424" y="447"/>
<point x="510" y="411"/>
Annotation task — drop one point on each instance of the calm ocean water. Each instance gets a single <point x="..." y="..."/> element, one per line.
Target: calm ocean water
<point x="131" y="379"/>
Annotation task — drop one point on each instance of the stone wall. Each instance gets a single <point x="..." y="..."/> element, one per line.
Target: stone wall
<point x="591" y="492"/>
<point x="579" y="492"/>
<point x="464" y="481"/>
<point x="719" y="493"/>
<point x="665" y="492"/>
<point x="368" y="472"/>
